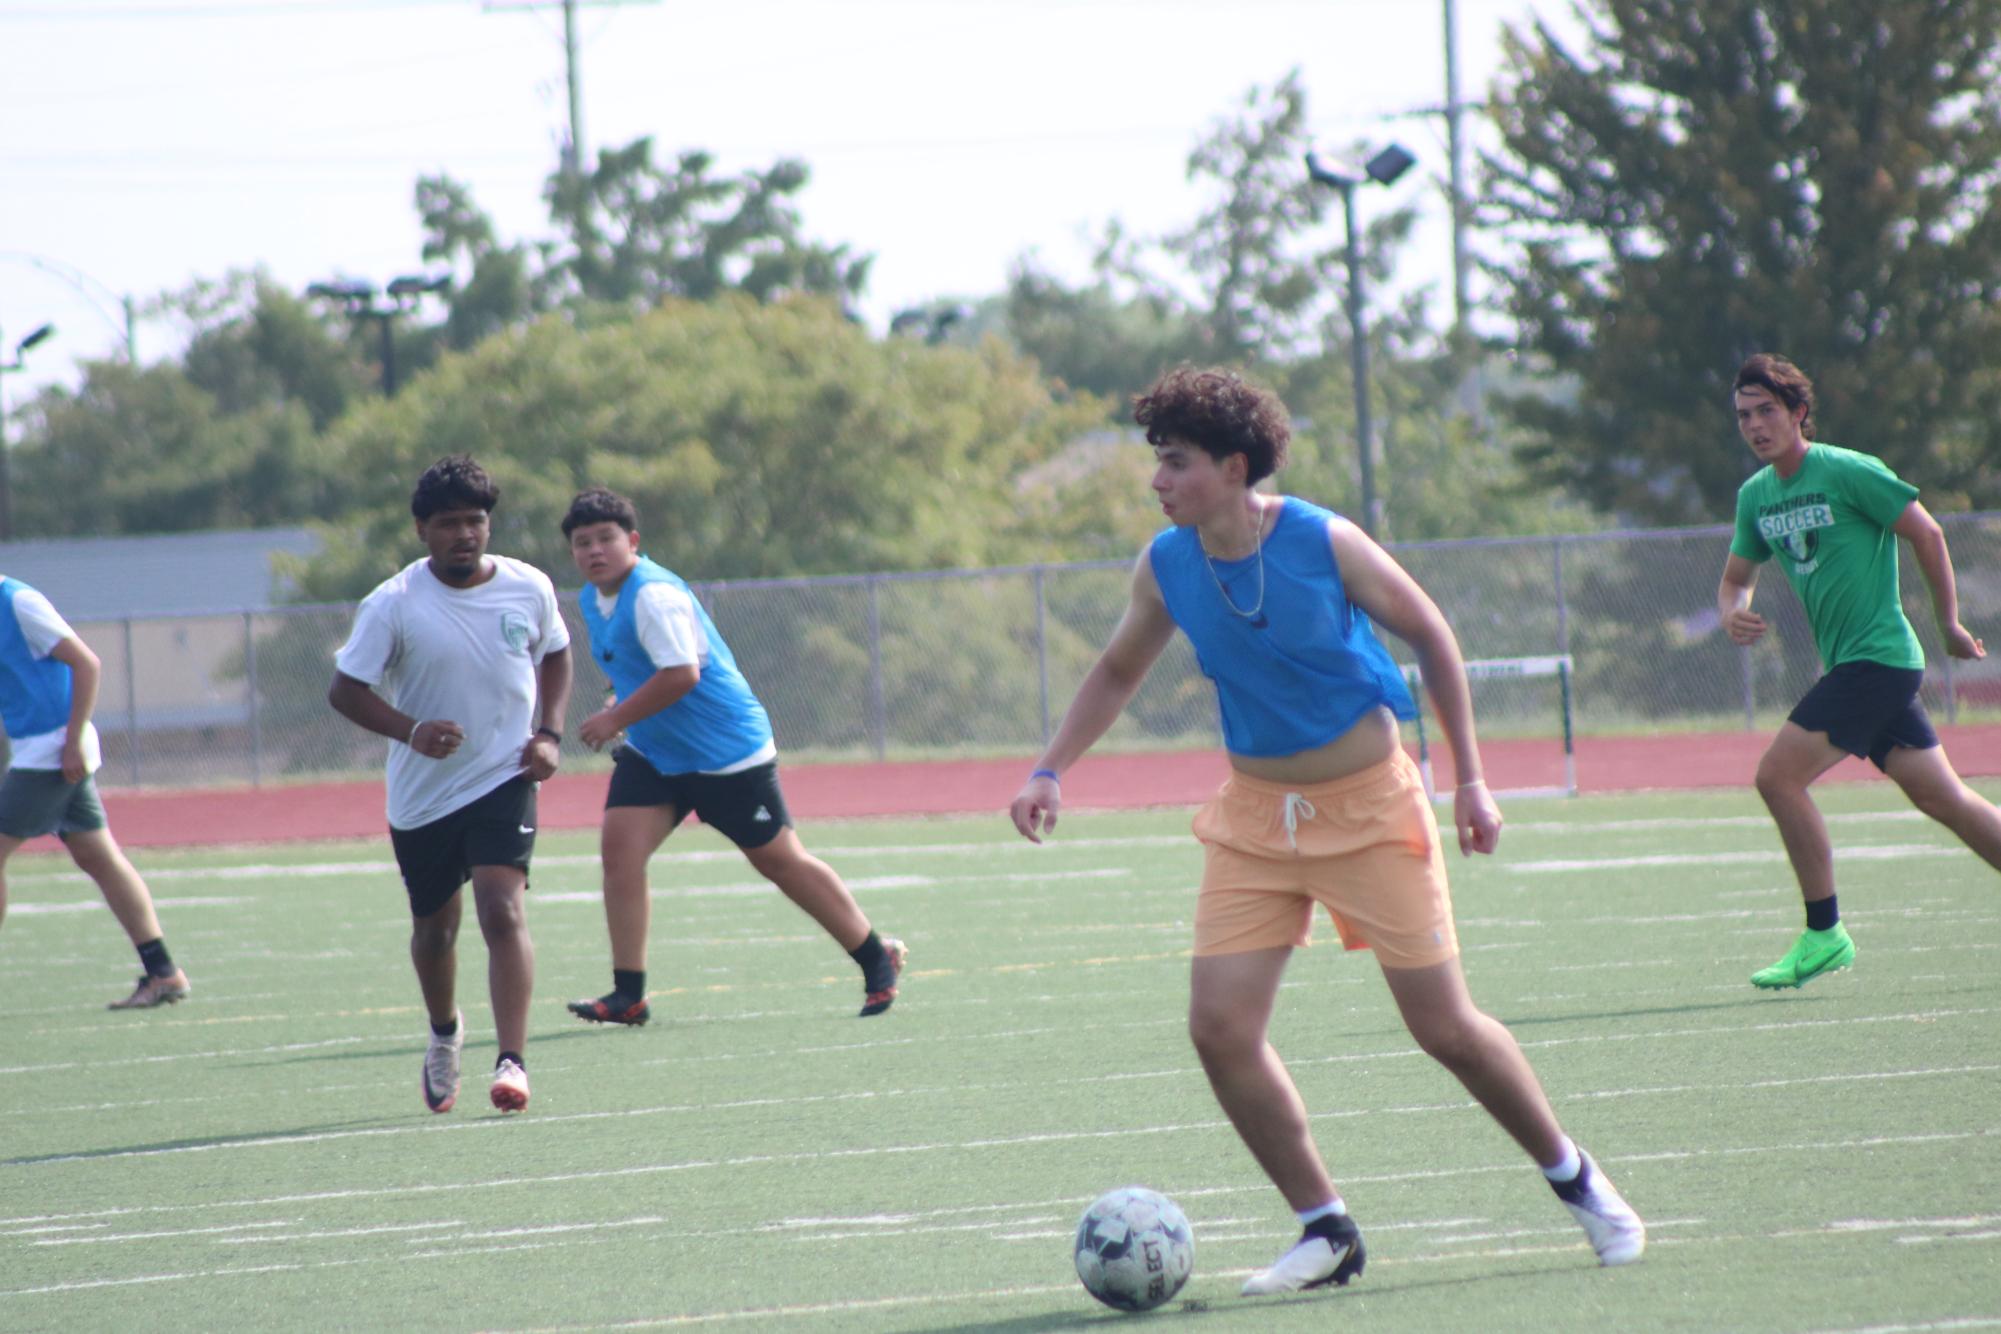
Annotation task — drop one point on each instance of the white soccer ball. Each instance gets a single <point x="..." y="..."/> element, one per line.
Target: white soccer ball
<point x="1134" y="1248"/>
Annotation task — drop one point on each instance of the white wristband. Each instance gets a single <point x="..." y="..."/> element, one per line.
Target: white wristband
<point x="1478" y="782"/>
<point x="411" y="740"/>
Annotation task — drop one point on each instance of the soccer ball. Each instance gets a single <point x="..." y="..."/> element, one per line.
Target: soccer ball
<point x="1134" y="1248"/>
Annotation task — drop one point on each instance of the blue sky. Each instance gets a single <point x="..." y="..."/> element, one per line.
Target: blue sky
<point x="153" y="142"/>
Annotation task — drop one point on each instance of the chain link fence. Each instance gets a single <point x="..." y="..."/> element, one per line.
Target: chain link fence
<point x="907" y="666"/>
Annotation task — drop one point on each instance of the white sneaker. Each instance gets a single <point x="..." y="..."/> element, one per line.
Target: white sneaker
<point x="510" y="1087"/>
<point x="441" y="1068"/>
<point x="1615" y="1231"/>
<point x="1314" y="1262"/>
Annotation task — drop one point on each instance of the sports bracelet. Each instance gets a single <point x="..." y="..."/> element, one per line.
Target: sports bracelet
<point x="1478" y="782"/>
<point x="551" y="733"/>
<point x="411" y="740"/>
<point x="1050" y="774"/>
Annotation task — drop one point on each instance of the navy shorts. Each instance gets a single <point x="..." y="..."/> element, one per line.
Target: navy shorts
<point x="497" y="829"/>
<point x="745" y="807"/>
<point x="34" y="802"/>
<point x="1868" y="709"/>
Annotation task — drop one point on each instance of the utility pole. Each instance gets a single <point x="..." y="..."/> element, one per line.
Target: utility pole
<point x="1473" y="388"/>
<point x="1455" y="171"/>
<point x="573" y="149"/>
<point x="573" y="152"/>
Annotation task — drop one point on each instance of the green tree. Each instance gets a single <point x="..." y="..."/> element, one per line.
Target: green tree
<point x="1104" y="337"/>
<point x="1701" y="179"/>
<point x="493" y="288"/>
<point x="226" y="438"/>
<point x="1252" y="250"/>
<point x="147" y="450"/>
<point x="635" y="233"/>
<point x="254" y="346"/>
<point x="1268" y="278"/>
<point x="758" y="439"/>
<point x="1244" y="283"/>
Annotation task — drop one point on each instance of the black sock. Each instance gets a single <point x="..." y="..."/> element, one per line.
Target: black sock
<point x="1822" y="914"/>
<point x="153" y="954"/>
<point x="513" y="1056"/>
<point x="446" y="1030"/>
<point x="869" y="954"/>
<point x="629" y="982"/>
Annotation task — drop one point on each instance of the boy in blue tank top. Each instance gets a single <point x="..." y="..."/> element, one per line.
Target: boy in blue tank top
<point x="695" y="740"/>
<point x="1280" y="599"/>
<point x="48" y="690"/>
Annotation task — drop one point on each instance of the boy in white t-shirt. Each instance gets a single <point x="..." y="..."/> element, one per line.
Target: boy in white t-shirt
<point x="475" y="662"/>
<point x="48" y="688"/>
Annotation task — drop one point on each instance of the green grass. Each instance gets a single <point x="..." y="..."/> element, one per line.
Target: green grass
<point x="759" y="1159"/>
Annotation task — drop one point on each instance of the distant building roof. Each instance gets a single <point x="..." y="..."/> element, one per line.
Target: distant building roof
<point x="96" y="578"/>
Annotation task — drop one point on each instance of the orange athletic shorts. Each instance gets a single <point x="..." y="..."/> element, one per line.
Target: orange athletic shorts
<point x="1364" y="847"/>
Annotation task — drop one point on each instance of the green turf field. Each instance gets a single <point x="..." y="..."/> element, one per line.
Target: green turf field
<point x="757" y="1158"/>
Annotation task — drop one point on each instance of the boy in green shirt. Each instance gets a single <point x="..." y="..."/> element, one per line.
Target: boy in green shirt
<point x="1832" y="517"/>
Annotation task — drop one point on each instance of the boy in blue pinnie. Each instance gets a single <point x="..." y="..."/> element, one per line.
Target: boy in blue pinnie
<point x="695" y="740"/>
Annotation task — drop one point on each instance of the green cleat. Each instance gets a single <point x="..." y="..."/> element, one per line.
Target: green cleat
<point x="1814" y="953"/>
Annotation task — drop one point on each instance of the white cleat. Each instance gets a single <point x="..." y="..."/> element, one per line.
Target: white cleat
<point x="1615" y="1231"/>
<point x="441" y="1069"/>
<point x="510" y="1087"/>
<point x="1314" y="1262"/>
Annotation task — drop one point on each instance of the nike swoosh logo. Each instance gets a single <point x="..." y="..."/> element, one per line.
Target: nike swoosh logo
<point x="528" y="829"/>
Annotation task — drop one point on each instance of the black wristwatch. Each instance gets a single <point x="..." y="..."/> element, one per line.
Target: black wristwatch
<point x="551" y="733"/>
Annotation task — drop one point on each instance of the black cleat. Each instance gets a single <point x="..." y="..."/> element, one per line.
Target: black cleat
<point x="612" y="1008"/>
<point x="881" y="989"/>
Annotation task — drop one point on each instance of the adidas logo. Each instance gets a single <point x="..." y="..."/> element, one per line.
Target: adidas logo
<point x="763" y="816"/>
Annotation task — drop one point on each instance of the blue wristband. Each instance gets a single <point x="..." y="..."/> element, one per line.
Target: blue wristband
<point x="1050" y="774"/>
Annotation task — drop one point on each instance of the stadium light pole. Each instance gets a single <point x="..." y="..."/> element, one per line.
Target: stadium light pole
<point x="1384" y="169"/>
<point x="6" y="466"/>
<point x="932" y="323"/>
<point x="357" y="297"/>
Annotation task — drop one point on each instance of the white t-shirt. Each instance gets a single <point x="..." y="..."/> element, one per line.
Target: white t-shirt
<point x="44" y="628"/>
<point x="663" y="615"/>
<point x="462" y="655"/>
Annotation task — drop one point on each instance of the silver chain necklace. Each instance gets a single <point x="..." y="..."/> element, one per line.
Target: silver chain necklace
<point x="1256" y="613"/>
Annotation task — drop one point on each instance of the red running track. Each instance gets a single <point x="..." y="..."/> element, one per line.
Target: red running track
<point x="946" y="787"/>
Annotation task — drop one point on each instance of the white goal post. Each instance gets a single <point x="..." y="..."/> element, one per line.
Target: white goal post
<point x="1491" y="669"/>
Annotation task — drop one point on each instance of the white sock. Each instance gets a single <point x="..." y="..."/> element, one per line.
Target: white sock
<point x="1566" y="1168"/>
<point x="1334" y="1208"/>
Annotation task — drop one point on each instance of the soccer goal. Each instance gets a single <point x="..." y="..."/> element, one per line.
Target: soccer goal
<point x="1507" y="669"/>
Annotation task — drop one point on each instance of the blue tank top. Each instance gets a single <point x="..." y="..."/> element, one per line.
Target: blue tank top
<point x="1308" y="665"/>
<point x="711" y="727"/>
<point x="34" y="692"/>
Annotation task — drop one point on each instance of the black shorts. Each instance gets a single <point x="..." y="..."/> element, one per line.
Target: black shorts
<point x="497" y="829"/>
<point x="1868" y="709"/>
<point x="745" y="807"/>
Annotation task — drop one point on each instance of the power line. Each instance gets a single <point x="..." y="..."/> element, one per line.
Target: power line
<point x="260" y="9"/>
<point x="349" y="72"/>
<point x="573" y="150"/>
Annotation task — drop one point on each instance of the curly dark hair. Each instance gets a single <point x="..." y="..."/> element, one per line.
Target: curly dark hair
<point x="454" y="482"/>
<point x="600" y="504"/>
<point x="1220" y="413"/>
<point x="1782" y="380"/>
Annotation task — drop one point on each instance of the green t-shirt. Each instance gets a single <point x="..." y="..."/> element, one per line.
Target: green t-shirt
<point x="1830" y="524"/>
